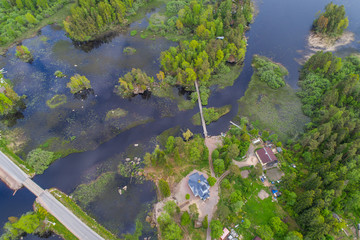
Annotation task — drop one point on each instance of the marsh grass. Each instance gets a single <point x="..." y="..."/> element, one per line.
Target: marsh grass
<point x="278" y="110"/>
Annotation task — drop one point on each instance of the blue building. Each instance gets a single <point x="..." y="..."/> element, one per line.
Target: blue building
<point x="199" y="186"/>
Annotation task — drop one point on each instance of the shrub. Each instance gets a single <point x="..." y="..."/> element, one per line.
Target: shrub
<point x="40" y="159"/>
<point x="205" y="222"/>
<point x="185" y="219"/>
<point x="211" y="181"/>
<point x="133" y="33"/>
<point x="187" y="196"/>
<point x="115" y="114"/>
<point x="129" y="51"/>
<point x="164" y="188"/>
<point x="23" y="53"/>
<point x="78" y="83"/>
<point x="59" y="74"/>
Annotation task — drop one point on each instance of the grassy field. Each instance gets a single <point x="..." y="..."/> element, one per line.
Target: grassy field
<point x="89" y="221"/>
<point x="277" y="110"/>
<point x="56" y="18"/>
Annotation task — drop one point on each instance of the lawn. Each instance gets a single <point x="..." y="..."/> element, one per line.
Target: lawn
<point x="277" y="110"/>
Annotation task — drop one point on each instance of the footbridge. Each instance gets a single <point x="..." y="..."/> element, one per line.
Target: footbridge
<point x="15" y="178"/>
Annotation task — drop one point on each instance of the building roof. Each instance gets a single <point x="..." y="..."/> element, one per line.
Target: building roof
<point x="279" y="149"/>
<point x="266" y="155"/>
<point x="199" y="186"/>
<point x="225" y="233"/>
<point x="257" y="238"/>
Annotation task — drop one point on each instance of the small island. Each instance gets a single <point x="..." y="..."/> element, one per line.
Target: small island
<point x="23" y="53"/>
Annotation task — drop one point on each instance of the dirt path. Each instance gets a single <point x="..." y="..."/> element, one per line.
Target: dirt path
<point x="212" y="143"/>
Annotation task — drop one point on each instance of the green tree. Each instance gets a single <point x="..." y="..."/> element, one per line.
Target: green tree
<point x="78" y="83"/>
<point x="187" y="135"/>
<point x="205" y="222"/>
<point x="265" y="135"/>
<point x="216" y="229"/>
<point x="219" y="166"/>
<point x="172" y="232"/>
<point x="211" y="180"/>
<point x="278" y="226"/>
<point x="265" y="232"/>
<point x="170" y="144"/>
<point x="29" y="17"/>
<point x="185" y="219"/>
<point x="170" y="207"/>
<point x="164" y="188"/>
<point x="194" y="212"/>
<point x="294" y="235"/>
<point x="233" y="151"/>
<point x="246" y="223"/>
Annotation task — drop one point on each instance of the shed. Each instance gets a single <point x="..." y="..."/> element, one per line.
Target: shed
<point x="279" y="149"/>
<point x="256" y="141"/>
<point x="257" y="238"/>
<point x="226" y="233"/>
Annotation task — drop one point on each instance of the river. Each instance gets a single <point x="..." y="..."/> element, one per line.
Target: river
<point x="279" y="31"/>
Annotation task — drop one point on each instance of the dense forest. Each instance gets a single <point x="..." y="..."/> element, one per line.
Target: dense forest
<point x="329" y="175"/>
<point x="218" y="37"/>
<point x="90" y="18"/>
<point x="16" y="16"/>
<point x="332" y="22"/>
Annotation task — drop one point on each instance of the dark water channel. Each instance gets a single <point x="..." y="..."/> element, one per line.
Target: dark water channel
<point x="279" y="32"/>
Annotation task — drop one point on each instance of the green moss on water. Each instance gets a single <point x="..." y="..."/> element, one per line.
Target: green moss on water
<point x="129" y="51"/>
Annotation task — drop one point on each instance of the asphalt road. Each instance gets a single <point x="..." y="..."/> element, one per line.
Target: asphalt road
<point x="49" y="202"/>
<point x="66" y="217"/>
<point x="9" y="167"/>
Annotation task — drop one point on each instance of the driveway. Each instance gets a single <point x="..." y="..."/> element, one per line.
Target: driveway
<point x="251" y="159"/>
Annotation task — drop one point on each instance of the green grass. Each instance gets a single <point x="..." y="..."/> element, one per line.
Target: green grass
<point x="31" y="32"/>
<point x="56" y="101"/>
<point x="209" y="118"/>
<point x="278" y="110"/>
<point x="89" y="221"/>
<point x="13" y="157"/>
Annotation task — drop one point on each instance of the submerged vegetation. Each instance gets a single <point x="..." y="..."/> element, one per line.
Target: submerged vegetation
<point x="40" y="159"/>
<point x="115" y="114"/>
<point x="86" y="193"/>
<point x="56" y="101"/>
<point x="129" y="51"/>
<point x="332" y="22"/>
<point x="211" y="114"/>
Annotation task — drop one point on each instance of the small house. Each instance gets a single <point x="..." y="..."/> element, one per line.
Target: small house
<point x="220" y="38"/>
<point x="256" y="141"/>
<point x="226" y="233"/>
<point x="257" y="238"/>
<point x="266" y="157"/>
<point x="199" y="186"/>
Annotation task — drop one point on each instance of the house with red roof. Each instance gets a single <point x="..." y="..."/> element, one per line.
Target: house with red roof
<point x="266" y="157"/>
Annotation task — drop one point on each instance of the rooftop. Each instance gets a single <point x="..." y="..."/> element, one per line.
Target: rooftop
<point x="266" y="155"/>
<point x="199" y="186"/>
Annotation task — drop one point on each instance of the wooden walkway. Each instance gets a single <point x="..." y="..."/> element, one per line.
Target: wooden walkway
<point x="201" y="112"/>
